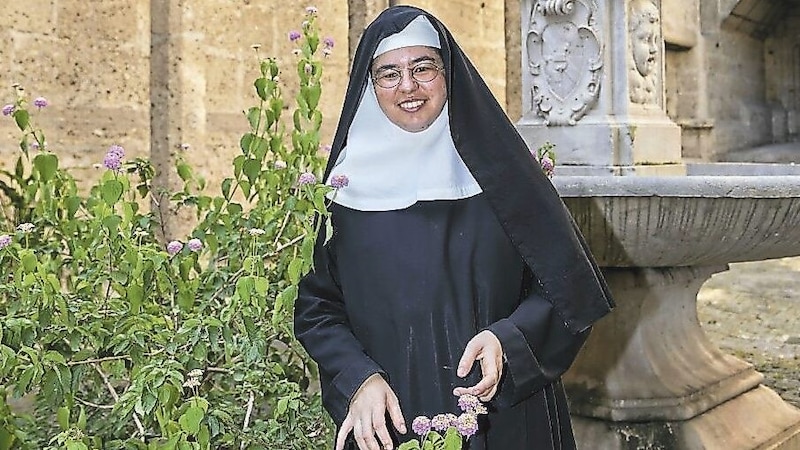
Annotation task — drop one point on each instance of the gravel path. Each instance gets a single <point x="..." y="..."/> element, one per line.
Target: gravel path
<point x="752" y="311"/>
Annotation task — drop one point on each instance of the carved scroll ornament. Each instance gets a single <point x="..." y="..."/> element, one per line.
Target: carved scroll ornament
<point x="565" y="59"/>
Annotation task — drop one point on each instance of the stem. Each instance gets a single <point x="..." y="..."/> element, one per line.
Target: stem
<point x="283" y="226"/>
<point x="98" y="360"/>
<point x="115" y="396"/>
<point x="93" y="405"/>
<point x="247" y="415"/>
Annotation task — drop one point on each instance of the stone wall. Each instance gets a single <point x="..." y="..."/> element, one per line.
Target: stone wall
<point x="153" y="75"/>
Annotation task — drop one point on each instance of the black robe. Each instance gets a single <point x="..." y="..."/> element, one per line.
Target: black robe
<point x="400" y="293"/>
<point x="558" y="295"/>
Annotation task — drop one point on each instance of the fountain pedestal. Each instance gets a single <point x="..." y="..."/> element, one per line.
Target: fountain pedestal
<point x="648" y="377"/>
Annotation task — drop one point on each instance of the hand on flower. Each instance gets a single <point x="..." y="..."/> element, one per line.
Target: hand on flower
<point x="486" y="348"/>
<point x="366" y="417"/>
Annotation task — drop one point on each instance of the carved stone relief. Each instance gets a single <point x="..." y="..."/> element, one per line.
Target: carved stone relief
<point x="644" y="29"/>
<point x="565" y="59"/>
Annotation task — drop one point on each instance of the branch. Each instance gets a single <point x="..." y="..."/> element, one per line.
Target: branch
<point x="113" y="393"/>
<point x="248" y="414"/>
<point x="93" y="405"/>
<point x="98" y="360"/>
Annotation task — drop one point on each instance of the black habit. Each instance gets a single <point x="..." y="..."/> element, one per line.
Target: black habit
<point x="401" y="292"/>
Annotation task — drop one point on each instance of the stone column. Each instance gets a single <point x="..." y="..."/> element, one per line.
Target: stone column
<point x="178" y="111"/>
<point x="593" y="85"/>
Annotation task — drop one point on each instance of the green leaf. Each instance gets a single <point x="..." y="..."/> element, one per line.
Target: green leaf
<point x="112" y="223"/>
<point x="135" y="296"/>
<point x="261" y="285"/>
<point x="190" y="420"/>
<point x="29" y="260"/>
<point x="295" y="268"/>
<point x="111" y="192"/>
<point x="47" y="165"/>
<point x="261" y="88"/>
<point x="251" y="169"/>
<point x="22" y="118"/>
<point x="63" y="417"/>
<point x="314" y="93"/>
<point x="184" y="171"/>
<point x="452" y="439"/>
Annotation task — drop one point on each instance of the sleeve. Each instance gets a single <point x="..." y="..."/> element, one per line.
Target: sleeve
<point x="538" y="348"/>
<point x="321" y="325"/>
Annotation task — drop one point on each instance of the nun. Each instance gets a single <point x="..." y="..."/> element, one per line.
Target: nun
<point x="450" y="265"/>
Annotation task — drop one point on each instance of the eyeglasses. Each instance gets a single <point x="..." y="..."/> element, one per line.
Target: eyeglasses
<point x="421" y="73"/>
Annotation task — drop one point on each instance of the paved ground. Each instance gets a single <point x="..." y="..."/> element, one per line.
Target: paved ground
<point x="753" y="311"/>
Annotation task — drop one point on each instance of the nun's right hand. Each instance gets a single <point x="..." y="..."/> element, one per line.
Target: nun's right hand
<point x="366" y="417"/>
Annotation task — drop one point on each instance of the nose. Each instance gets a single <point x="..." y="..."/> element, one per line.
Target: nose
<point x="407" y="82"/>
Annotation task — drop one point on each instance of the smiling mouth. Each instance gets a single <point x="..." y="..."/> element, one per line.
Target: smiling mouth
<point x="411" y="105"/>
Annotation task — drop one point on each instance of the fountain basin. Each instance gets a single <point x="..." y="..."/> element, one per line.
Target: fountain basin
<point x="685" y="221"/>
<point x="648" y="375"/>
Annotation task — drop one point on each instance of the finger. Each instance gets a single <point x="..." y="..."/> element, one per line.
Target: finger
<point x="468" y="358"/>
<point x="358" y="433"/>
<point x="395" y="413"/>
<point x="489" y="395"/>
<point x="365" y="436"/>
<point x="347" y="425"/>
<point x="380" y="429"/>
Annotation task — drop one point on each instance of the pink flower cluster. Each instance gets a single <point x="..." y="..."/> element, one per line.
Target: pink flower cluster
<point x="113" y="158"/>
<point x="466" y="424"/>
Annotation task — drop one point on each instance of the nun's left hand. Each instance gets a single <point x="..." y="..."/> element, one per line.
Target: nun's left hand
<point x="486" y="348"/>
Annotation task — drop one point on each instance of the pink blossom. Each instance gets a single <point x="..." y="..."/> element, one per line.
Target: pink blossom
<point x="5" y="240"/>
<point x="421" y="425"/>
<point x="294" y="35"/>
<point x="467" y="424"/>
<point x="195" y="244"/>
<point x="306" y="179"/>
<point x="339" y="181"/>
<point x="174" y="247"/>
<point x="40" y="102"/>
<point x="9" y="109"/>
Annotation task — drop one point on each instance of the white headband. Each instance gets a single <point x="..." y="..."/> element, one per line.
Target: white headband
<point x="418" y="32"/>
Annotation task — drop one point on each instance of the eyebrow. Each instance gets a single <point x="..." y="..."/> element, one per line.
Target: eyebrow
<point x="413" y="61"/>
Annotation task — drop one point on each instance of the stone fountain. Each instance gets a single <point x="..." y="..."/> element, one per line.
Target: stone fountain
<point x="648" y="377"/>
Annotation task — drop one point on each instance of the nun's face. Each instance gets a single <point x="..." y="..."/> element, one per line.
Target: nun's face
<point x="417" y="100"/>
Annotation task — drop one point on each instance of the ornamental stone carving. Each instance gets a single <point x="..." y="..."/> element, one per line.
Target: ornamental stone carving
<point x="644" y="29"/>
<point x="565" y="59"/>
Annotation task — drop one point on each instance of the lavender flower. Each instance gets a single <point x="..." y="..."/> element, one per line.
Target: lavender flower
<point x="9" y="109"/>
<point x="328" y="42"/>
<point x="117" y="150"/>
<point x="113" y="158"/>
<point x="40" y="102"/>
<point x="26" y="227"/>
<point x="34" y="146"/>
<point x="112" y="162"/>
<point x="294" y="35"/>
<point x="421" y="425"/>
<point x="339" y="181"/>
<point x="306" y="178"/>
<point x="441" y="422"/>
<point x="547" y="166"/>
<point x="324" y="149"/>
<point x="194" y="244"/>
<point x="468" y="402"/>
<point x="174" y="247"/>
<point x="5" y="240"/>
<point x="310" y="10"/>
<point x="467" y="424"/>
